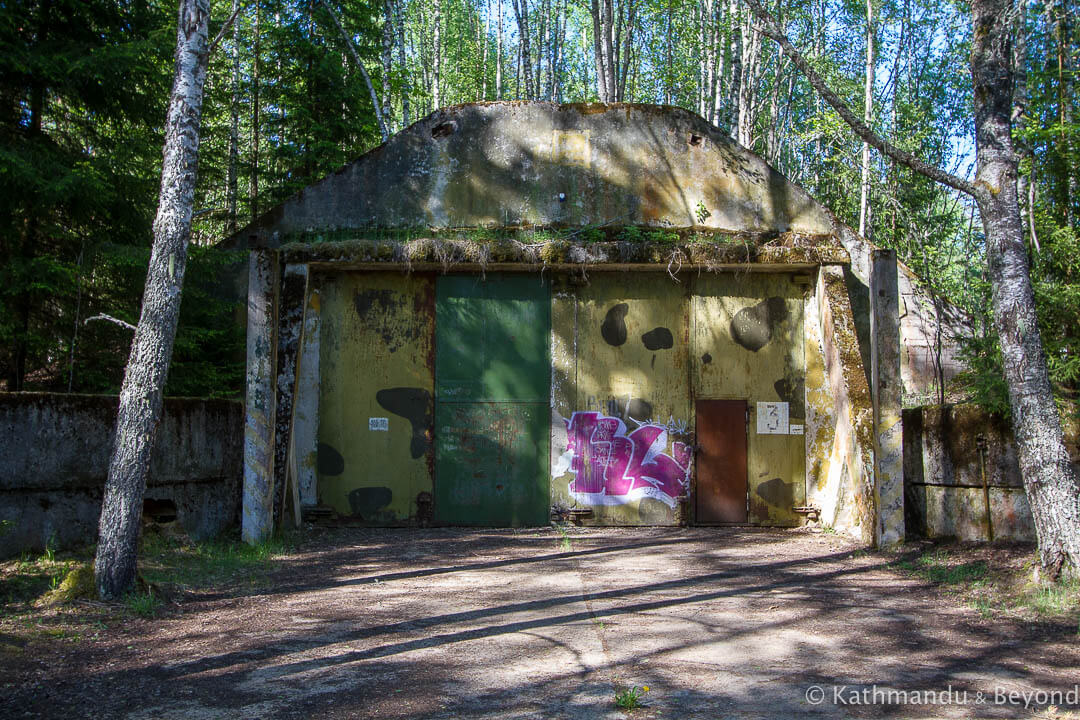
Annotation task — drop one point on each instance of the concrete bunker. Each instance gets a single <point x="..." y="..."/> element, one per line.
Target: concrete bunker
<point x="511" y="311"/>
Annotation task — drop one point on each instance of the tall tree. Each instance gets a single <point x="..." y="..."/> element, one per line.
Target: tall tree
<point x="151" y="350"/>
<point x="868" y="117"/>
<point x="1050" y="482"/>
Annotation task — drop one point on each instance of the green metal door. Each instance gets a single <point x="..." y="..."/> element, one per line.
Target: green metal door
<point x="492" y="390"/>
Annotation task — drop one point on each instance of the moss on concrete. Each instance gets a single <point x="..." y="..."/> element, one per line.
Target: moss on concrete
<point x="554" y="246"/>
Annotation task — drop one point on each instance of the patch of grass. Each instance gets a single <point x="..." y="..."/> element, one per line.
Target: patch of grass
<point x="25" y="580"/>
<point x="144" y="604"/>
<point x="189" y="566"/>
<point x="564" y="542"/>
<point x="1052" y="598"/>
<point x="984" y="605"/>
<point x="937" y="567"/>
<point x="630" y="698"/>
<point x="996" y="584"/>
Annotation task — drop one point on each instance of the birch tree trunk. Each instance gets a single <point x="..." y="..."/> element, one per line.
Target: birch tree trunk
<point x="253" y="190"/>
<point x="1052" y="488"/>
<point x="1019" y="117"/>
<point x="521" y="14"/>
<point x="868" y="118"/>
<point x="717" y="69"/>
<point x="628" y="44"/>
<point x="436" y="57"/>
<point x="399" y="26"/>
<point x="484" y="51"/>
<point x="232" y="180"/>
<point x="607" y="26"/>
<point x="1051" y="484"/>
<point x="148" y="364"/>
<point x="598" y="52"/>
<point x="736" y="72"/>
<point x="498" y="51"/>
<point x="748" y="84"/>
<point x="387" y="58"/>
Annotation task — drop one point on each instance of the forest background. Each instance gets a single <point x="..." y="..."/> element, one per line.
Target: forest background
<point x="84" y="83"/>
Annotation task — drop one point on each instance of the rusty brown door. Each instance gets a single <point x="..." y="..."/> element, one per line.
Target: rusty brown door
<point x="721" y="461"/>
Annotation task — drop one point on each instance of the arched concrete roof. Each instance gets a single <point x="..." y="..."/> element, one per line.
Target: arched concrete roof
<point x="543" y="164"/>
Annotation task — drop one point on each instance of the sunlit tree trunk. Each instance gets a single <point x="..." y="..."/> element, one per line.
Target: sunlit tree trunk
<point x="436" y="59"/>
<point x="748" y="83"/>
<point x="484" y="52"/>
<point x="1050" y="482"/>
<point x="598" y="51"/>
<point x="521" y="15"/>
<point x="498" y="51"/>
<point x="406" y="86"/>
<point x="151" y="350"/>
<point x="868" y="117"/>
<point x="387" y="57"/>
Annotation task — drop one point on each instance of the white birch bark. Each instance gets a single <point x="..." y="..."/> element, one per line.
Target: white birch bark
<point x="868" y="118"/>
<point x="141" y="394"/>
<point x="437" y="56"/>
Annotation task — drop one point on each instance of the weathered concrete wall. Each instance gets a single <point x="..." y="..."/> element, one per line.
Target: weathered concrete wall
<point x="635" y="351"/>
<point x="54" y="459"/>
<point x="513" y="164"/>
<point x="839" y="415"/>
<point x="509" y="164"/>
<point x="946" y="453"/>
<point x="620" y="347"/>
<point x="747" y="343"/>
<point x="376" y="396"/>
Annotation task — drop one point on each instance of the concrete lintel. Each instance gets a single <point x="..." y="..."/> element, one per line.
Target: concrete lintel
<point x="257" y="521"/>
<point x="338" y="266"/>
<point x="886" y="389"/>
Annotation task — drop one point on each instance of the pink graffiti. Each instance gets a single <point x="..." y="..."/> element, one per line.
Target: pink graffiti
<point x="612" y="468"/>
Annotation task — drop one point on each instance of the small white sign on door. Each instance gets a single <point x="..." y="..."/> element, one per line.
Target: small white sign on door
<point x="795" y="429"/>
<point x="772" y="418"/>
<point x="382" y="424"/>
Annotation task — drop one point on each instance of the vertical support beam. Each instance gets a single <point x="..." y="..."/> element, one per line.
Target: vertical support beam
<point x="887" y="396"/>
<point x="290" y="326"/>
<point x="258" y="521"/>
<point x="306" y="414"/>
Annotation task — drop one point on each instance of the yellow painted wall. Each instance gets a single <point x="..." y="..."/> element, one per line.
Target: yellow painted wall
<point x="747" y="343"/>
<point x="601" y="362"/>
<point x="376" y="335"/>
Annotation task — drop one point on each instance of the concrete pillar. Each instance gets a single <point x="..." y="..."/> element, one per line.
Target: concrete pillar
<point x="306" y="415"/>
<point x="257" y="522"/>
<point x="886" y="391"/>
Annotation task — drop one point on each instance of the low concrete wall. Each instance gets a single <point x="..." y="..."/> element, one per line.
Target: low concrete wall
<point x="944" y="465"/>
<point x="54" y="459"/>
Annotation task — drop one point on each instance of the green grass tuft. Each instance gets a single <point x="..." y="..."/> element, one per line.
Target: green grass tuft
<point x="144" y="604"/>
<point x="630" y="698"/>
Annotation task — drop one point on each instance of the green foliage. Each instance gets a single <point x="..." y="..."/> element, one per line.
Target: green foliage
<point x="630" y="698"/>
<point x="83" y="87"/>
<point x="936" y="568"/>
<point x="182" y="565"/>
<point x="144" y="604"/>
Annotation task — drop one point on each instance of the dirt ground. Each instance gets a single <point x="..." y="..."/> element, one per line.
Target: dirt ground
<point x="450" y="623"/>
